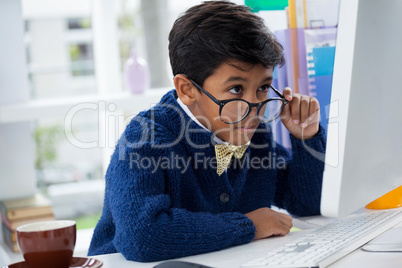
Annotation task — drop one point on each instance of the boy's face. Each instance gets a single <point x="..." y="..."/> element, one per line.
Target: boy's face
<point x="248" y="82"/>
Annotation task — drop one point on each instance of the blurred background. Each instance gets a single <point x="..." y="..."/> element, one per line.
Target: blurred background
<point x="65" y="98"/>
<point x="59" y="43"/>
<point x="68" y="87"/>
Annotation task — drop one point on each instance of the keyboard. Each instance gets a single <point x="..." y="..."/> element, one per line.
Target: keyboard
<point x="331" y="242"/>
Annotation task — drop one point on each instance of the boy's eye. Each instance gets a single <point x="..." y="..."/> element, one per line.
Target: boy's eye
<point x="264" y="88"/>
<point x="235" y="90"/>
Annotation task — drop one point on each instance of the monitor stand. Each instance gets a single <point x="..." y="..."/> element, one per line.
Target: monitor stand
<point x="392" y="199"/>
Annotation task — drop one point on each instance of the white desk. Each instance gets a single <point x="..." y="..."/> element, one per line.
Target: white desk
<point x="235" y="256"/>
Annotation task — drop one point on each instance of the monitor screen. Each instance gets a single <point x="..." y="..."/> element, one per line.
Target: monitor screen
<point x="364" y="142"/>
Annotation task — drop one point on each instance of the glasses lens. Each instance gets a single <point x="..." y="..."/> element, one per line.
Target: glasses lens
<point x="270" y="110"/>
<point x="234" y="111"/>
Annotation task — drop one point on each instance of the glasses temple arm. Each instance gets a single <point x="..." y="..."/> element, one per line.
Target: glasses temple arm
<point x="203" y="90"/>
<point x="277" y="92"/>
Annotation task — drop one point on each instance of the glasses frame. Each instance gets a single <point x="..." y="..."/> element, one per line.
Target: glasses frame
<point x="222" y="103"/>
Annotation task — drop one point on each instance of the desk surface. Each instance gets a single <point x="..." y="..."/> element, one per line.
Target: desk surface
<point x="235" y="256"/>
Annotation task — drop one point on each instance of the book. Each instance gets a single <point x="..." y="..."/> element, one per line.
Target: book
<point x="12" y="245"/>
<point x="34" y="206"/>
<point x="12" y="225"/>
<point x="11" y="235"/>
<point x="10" y="238"/>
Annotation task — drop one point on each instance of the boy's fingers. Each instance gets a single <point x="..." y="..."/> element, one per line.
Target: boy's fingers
<point x="304" y="109"/>
<point x="314" y="110"/>
<point x="280" y="229"/>
<point x="285" y="113"/>
<point x="285" y="230"/>
<point x="287" y="93"/>
<point x="288" y="224"/>
<point x="295" y="109"/>
<point x="288" y="217"/>
<point x="286" y="220"/>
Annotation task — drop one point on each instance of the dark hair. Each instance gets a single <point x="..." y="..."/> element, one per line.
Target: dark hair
<point x="210" y="33"/>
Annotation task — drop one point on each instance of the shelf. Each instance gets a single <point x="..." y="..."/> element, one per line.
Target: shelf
<point x="37" y="109"/>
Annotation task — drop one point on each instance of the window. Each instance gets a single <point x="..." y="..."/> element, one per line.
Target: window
<point x="72" y="48"/>
<point x="144" y="27"/>
<point x="81" y="56"/>
<point x="79" y="23"/>
<point x="60" y="58"/>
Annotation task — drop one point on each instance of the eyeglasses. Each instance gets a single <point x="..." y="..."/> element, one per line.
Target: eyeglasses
<point x="235" y="110"/>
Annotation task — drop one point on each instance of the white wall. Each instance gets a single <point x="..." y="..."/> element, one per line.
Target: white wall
<point x="17" y="173"/>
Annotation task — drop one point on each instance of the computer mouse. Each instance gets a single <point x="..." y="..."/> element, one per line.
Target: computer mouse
<point x="180" y="264"/>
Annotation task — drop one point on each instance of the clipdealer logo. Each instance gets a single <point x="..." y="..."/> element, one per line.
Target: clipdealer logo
<point x="111" y="125"/>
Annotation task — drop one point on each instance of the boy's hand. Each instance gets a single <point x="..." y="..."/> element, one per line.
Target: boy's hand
<point x="268" y="222"/>
<point x="301" y="115"/>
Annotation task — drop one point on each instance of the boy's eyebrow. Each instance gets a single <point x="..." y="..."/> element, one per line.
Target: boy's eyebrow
<point x="242" y="79"/>
<point x="235" y="79"/>
<point x="268" y="79"/>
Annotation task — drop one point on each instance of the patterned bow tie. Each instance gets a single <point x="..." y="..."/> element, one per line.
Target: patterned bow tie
<point x="224" y="155"/>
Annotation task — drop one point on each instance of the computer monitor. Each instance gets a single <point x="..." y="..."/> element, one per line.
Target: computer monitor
<point x="364" y="142"/>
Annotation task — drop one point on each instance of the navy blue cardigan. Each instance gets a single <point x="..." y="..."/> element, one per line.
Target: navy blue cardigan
<point x="164" y="199"/>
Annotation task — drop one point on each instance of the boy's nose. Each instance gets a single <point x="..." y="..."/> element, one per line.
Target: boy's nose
<point x="252" y="114"/>
<point x="253" y="111"/>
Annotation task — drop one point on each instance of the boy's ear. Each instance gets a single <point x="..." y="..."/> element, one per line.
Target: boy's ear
<point x="185" y="89"/>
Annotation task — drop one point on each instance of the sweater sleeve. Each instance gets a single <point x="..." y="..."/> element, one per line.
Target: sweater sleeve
<point x="148" y="227"/>
<point x="299" y="184"/>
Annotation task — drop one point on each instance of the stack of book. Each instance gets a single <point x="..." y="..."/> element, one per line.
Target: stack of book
<point x="18" y="212"/>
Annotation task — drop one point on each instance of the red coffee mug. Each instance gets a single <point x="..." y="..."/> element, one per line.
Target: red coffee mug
<point x="47" y="244"/>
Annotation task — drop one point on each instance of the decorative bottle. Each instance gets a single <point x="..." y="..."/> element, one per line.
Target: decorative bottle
<point x="136" y="72"/>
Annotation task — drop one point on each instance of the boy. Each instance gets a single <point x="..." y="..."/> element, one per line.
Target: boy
<point x="199" y="171"/>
